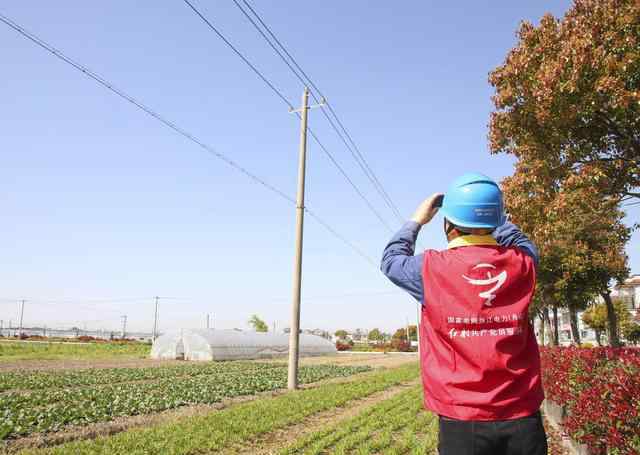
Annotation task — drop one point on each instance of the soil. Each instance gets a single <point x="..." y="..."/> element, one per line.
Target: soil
<point x="81" y="364"/>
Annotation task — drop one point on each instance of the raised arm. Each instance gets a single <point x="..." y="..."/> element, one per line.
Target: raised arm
<point x="398" y="262"/>
<point x="510" y="235"/>
<point x="400" y="265"/>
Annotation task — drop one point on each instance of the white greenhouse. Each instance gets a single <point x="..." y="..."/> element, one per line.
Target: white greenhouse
<point x="211" y="344"/>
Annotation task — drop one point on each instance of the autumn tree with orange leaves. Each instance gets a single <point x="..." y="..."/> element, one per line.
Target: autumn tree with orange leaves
<point x="568" y="108"/>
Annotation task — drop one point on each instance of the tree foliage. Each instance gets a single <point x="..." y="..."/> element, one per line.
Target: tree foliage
<point x="258" y="324"/>
<point x="375" y="335"/>
<point x="596" y="317"/>
<point x="568" y="108"/>
<point x="568" y="95"/>
<point x="341" y="334"/>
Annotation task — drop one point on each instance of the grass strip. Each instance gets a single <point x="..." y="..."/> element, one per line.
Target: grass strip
<point x="11" y="351"/>
<point x="236" y="424"/>
<point x="398" y="425"/>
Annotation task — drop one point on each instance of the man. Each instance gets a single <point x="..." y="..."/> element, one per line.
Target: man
<point x="479" y="356"/>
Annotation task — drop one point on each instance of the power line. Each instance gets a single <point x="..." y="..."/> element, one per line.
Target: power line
<point x="108" y="85"/>
<point x="290" y="106"/>
<point x="305" y="79"/>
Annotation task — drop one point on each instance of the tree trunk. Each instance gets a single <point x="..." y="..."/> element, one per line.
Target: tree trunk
<point x="612" y="319"/>
<point x="556" y="332"/>
<point x="542" y="328"/>
<point x="545" y="314"/>
<point x="598" y="337"/>
<point x="575" y="331"/>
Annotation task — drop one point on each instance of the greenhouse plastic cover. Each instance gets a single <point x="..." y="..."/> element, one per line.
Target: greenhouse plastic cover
<point x="211" y="344"/>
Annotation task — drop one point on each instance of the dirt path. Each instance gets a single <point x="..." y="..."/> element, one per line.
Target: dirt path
<point x="275" y="441"/>
<point x="83" y="364"/>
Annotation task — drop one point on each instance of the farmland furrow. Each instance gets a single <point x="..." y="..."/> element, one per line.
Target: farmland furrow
<point x="377" y="429"/>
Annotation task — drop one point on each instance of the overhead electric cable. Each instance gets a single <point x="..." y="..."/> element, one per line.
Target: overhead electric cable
<point x="290" y="106"/>
<point x="306" y="80"/>
<point x="108" y="85"/>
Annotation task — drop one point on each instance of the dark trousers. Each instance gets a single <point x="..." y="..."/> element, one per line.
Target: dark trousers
<point x="523" y="436"/>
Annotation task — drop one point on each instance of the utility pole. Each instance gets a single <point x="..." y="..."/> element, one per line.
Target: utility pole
<point x="408" y="337"/>
<point x="419" y="306"/>
<point x="124" y="326"/>
<point x="294" y="335"/>
<point x="1" y="326"/>
<point x="155" y="320"/>
<point x="21" y="316"/>
<point x="207" y="320"/>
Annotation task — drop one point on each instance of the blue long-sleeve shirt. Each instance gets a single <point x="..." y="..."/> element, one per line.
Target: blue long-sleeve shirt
<point x="405" y="270"/>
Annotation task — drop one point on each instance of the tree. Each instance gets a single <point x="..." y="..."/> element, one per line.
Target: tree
<point x="400" y="334"/>
<point x="580" y="236"/>
<point x="258" y="324"/>
<point x="632" y="332"/>
<point x="596" y="317"/>
<point x="341" y="334"/>
<point x="375" y="335"/>
<point x="413" y="333"/>
<point x="568" y="95"/>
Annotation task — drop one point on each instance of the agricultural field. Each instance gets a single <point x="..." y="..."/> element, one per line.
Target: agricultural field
<point x="239" y="428"/>
<point x="48" y="401"/>
<point x="18" y="351"/>
<point x="220" y="407"/>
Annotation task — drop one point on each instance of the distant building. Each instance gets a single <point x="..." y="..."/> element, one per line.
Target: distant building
<point x="629" y="292"/>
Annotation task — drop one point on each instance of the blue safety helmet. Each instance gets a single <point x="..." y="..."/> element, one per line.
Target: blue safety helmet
<point x="474" y="201"/>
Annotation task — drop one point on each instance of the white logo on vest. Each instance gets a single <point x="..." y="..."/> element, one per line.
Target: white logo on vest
<point x="499" y="280"/>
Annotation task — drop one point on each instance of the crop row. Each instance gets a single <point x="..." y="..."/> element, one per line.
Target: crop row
<point x="395" y="426"/>
<point x="239" y="424"/>
<point x="41" y="380"/>
<point x="25" y="413"/>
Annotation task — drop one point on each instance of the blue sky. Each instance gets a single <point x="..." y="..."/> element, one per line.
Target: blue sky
<point x="103" y="207"/>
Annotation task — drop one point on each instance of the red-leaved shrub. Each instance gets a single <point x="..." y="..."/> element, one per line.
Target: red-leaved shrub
<point x="342" y="346"/>
<point x="600" y="390"/>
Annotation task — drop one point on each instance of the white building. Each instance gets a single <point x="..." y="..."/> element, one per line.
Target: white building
<point x="629" y="291"/>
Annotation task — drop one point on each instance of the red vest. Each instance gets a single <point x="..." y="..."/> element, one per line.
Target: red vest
<point x="479" y="355"/>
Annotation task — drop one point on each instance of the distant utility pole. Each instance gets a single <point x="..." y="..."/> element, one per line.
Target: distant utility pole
<point x="419" y="306"/>
<point x="124" y="326"/>
<point x="155" y="320"/>
<point x="408" y="337"/>
<point x="21" y="315"/>
<point x="294" y="335"/>
<point x="207" y="320"/>
<point x="1" y="326"/>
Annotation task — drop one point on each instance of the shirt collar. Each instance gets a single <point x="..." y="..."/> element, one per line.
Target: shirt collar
<point x="468" y="240"/>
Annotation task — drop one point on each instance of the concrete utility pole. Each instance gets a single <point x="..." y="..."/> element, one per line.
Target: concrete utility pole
<point x="408" y="337"/>
<point x="1" y="326"/>
<point x="419" y="306"/>
<point x="207" y="320"/>
<point x="124" y="326"/>
<point x="21" y="316"/>
<point x="155" y="320"/>
<point x="294" y="335"/>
